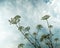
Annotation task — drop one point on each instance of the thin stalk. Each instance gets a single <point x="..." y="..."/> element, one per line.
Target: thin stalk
<point x="51" y="44"/>
<point x="37" y="34"/>
<point x="50" y="34"/>
<point x="48" y="27"/>
<point x="48" y="46"/>
<point x="26" y="37"/>
<point x="56" y="45"/>
<point x="37" y="43"/>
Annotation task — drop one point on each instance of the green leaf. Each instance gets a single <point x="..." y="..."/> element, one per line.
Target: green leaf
<point x="21" y="28"/>
<point x="50" y="26"/>
<point x="45" y="36"/>
<point x="34" y="33"/>
<point x="39" y="27"/>
<point x="39" y="46"/>
<point x="48" y="43"/>
<point x="27" y="28"/>
<point x="15" y="20"/>
<point x="56" y="39"/>
<point x="12" y="21"/>
<point x="17" y="16"/>
<point x="26" y="34"/>
<point x="20" y="45"/>
<point x="41" y="39"/>
<point x="45" y="17"/>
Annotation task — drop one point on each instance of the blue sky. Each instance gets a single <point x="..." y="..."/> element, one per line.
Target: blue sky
<point x="30" y="11"/>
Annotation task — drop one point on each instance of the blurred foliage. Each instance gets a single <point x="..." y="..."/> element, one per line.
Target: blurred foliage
<point x="39" y="27"/>
<point x="45" y="17"/>
<point x="15" y="20"/>
<point x="56" y="39"/>
<point x="21" y="28"/>
<point x="33" y="37"/>
<point x="34" y="33"/>
<point x="27" y="28"/>
<point x="20" y="45"/>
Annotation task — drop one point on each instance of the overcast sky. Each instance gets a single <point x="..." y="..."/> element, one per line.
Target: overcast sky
<point x="31" y="12"/>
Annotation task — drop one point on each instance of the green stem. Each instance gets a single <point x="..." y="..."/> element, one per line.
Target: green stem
<point x="56" y="45"/>
<point x="48" y="27"/>
<point x="48" y="46"/>
<point x="36" y="41"/>
<point x="50" y="34"/>
<point x="26" y="37"/>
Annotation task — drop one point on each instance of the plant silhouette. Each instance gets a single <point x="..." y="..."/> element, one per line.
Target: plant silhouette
<point x="32" y="38"/>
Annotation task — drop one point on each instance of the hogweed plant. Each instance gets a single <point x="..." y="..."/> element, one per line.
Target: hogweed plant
<point x="33" y="37"/>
